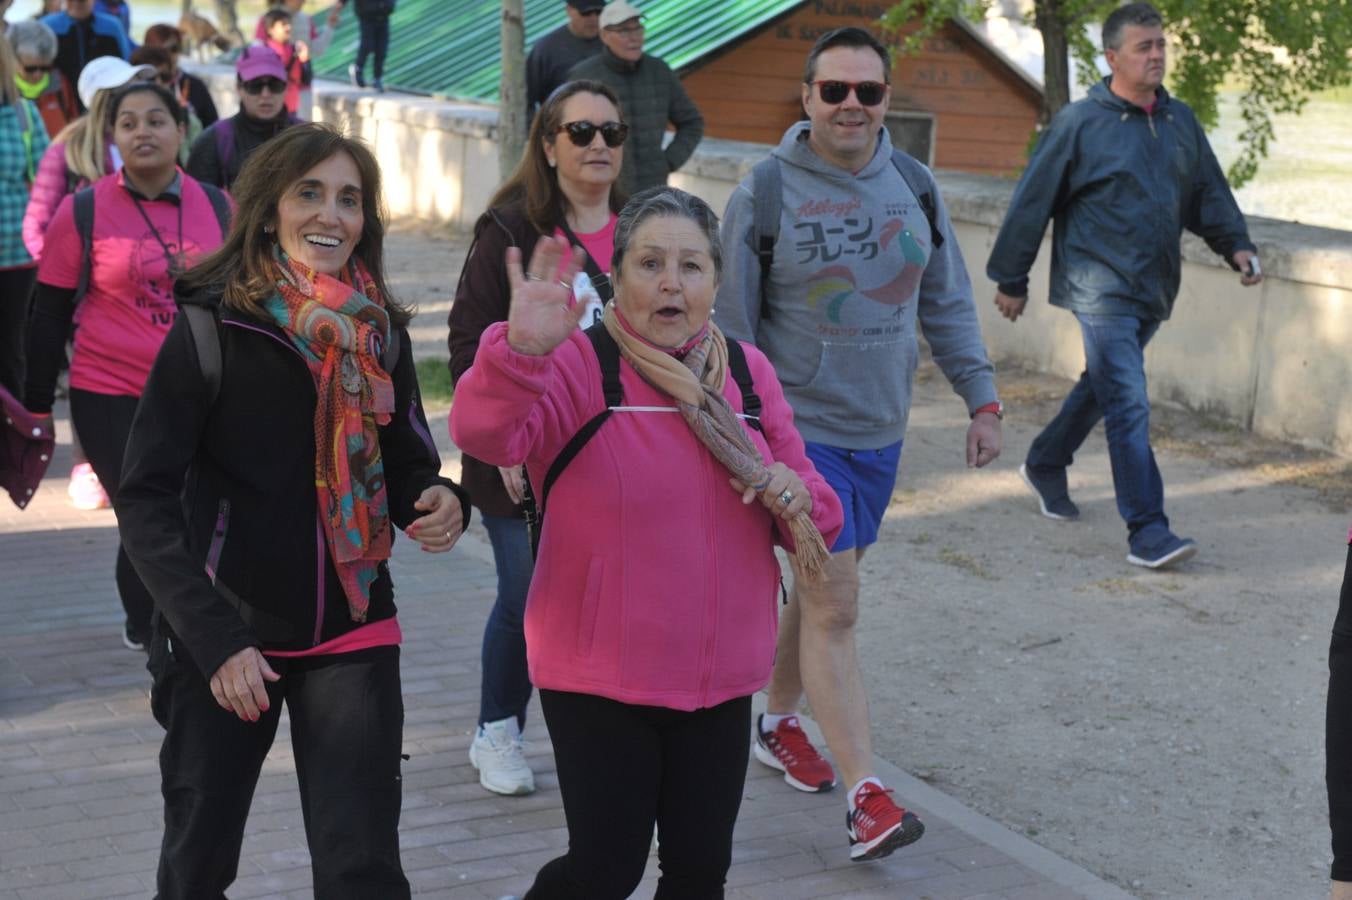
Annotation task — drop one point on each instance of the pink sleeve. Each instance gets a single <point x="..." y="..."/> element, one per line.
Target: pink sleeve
<point x="49" y="186"/>
<point x="512" y="408"/>
<point x="260" y="30"/>
<point x="786" y="446"/>
<point x="60" y="267"/>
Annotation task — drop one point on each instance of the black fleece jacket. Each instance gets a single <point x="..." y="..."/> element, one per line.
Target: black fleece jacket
<point x="217" y="506"/>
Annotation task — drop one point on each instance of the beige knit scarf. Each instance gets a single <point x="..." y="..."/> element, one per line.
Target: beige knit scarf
<point x="696" y="384"/>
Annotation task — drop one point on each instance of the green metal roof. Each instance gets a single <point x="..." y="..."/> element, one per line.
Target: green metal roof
<point x="451" y="47"/>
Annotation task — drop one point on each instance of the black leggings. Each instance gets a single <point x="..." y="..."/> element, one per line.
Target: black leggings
<point x="1338" y="732"/>
<point x="622" y="768"/>
<point x="16" y="292"/>
<point x="104" y="421"/>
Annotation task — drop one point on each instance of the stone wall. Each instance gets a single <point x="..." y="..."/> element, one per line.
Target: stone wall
<point x="1276" y="358"/>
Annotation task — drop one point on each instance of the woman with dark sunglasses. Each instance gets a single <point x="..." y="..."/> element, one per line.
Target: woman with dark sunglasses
<point x="564" y="186"/>
<point x="219" y="153"/>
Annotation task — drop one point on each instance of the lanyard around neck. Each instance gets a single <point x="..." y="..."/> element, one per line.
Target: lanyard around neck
<point x="172" y="259"/>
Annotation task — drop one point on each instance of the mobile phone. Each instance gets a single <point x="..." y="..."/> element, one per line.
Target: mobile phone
<point x="1255" y="269"/>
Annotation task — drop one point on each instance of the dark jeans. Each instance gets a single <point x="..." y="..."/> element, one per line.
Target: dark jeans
<point x="505" y="687"/>
<point x="104" y="421"/>
<point x="623" y="767"/>
<point x="1338" y="732"/>
<point x="347" y="722"/>
<point x="375" y="37"/>
<point x="1112" y="388"/>
<point x="16" y="292"/>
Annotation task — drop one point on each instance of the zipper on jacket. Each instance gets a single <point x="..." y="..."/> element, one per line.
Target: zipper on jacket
<point x="319" y="579"/>
<point x="1150" y="120"/>
<point x="218" y="538"/>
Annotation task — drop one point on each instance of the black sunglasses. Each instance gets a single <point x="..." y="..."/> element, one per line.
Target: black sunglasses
<point x="36" y="68"/>
<point x="582" y="133"/>
<point x="870" y="93"/>
<point x="255" y="86"/>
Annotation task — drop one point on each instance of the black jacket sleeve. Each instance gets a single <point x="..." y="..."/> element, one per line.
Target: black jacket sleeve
<point x="48" y="329"/>
<point x="163" y="442"/>
<point x="483" y="295"/>
<point x="200" y="98"/>
<point x="203" y="163"/>
<point x="409" y="454"/>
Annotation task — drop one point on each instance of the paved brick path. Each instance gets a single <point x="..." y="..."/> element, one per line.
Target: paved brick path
<point x="79" y="798"/>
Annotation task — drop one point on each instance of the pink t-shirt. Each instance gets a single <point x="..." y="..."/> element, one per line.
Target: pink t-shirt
<point x="129" y="306"/>
<point x="600" y="244"/>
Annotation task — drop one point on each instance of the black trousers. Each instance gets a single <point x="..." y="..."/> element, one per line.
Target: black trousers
<point x="16" y="292"/>
<point x="623" y="767"/>
<point x="104" y="422"/>
<point x="347" y="724"/>
<point x="1338" y="732"/>
<point x="375" y="38"/>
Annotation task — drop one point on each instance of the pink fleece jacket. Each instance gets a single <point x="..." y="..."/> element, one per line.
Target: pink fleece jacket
<point x="655" y="584"/>
<point x="49" y="187"/>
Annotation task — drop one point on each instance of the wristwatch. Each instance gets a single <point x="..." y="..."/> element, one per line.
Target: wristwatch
<point x="997" y="407"/>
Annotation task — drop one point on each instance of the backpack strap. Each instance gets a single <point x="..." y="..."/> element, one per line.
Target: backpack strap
<point x="206" y="339"/>
<point x="741" y="373"/>
<point x="389" y="357"/>
<point x="917" y="178"/>
<point x="219" y="205"/>
<point x="84" y="226"/>
<point x="767" y="199"/>
<point x="223" y="133"/>
<point x="26" y="137"/>
<point x="608" y="355"/>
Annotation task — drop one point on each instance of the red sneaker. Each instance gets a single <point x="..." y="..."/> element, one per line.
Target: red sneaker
<point x="877" y="826"/>
<point x="788" y="750"/>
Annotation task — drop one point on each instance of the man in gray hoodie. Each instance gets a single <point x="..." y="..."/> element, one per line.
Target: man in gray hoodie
<point x="864" y="250"/>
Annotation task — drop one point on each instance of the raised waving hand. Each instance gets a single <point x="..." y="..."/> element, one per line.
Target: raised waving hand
<point x="543" y="314"/>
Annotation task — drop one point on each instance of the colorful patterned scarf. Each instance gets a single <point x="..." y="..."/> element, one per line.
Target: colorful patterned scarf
<point x="340" y="328"/>
<point x="696" y="382"/>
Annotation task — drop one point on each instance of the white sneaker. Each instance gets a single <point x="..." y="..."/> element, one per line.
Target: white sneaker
<point x="498" y="754"/>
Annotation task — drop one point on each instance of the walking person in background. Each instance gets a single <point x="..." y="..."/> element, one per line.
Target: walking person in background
<point x="192" y="91"/>
<point x="564" y="186"/>
<point x="163" y="64"/>
<point x="860" y="252"/>
<point x="79" y="155"/>
<point x="120" y="10"/>
<point x="23" y="138"/>
<point x="295" y="56"/>
<point x="651" y="615"/>
<point x="220" y="152"/>
<point x="373" y="17"/>
<point x="651" y="96"/>
<point x="316" y="41"/>
<point x="1122" y="172"/>
<point x="555" y="54"/>
<point x="142" y="227"/>
<point x="38" y="79"/>
<point x="83" y="35"/>
<point x="306" y="443"/>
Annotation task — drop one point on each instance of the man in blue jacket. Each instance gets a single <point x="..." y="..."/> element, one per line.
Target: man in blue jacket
<point x="1122" y="172"/>
<point x="83" y="34"/>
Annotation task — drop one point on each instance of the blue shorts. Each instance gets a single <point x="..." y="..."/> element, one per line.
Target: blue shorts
<point x="863" y="480"/>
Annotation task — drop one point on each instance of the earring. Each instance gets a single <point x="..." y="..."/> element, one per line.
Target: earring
<point x="552" y="163"/>
<point x="267" y="229"/>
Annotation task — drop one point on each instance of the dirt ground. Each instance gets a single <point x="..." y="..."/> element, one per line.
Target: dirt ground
<point x="1163" y="730"/>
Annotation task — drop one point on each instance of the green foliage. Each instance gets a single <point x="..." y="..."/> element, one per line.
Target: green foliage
<point x="434" y="381"/>
<point x="1280" y="51"/>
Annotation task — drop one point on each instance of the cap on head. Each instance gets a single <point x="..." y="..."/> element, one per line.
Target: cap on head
<point x="105" y="73"/>
<point x="259" y="61"/>
<point x="617" y="12"/>
<point x="586" y="6"/>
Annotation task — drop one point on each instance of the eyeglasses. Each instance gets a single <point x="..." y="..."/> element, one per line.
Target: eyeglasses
<point x="582" y="133"/>
<point x="256" y="86"/>
<point x="869" y="93"/>
<point x="36" y="70"/>
<point x="626" y="30"/>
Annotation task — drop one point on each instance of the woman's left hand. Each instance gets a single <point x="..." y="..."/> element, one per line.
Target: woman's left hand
<point x="441" y="527"/>
<point x="784" y="485"/>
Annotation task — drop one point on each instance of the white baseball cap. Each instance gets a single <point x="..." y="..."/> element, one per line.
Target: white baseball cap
<point x="106" y="73"/>
<point x="617" y="12"/>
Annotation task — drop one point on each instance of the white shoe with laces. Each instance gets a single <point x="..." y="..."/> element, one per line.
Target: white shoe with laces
<point x="498" y="752"/>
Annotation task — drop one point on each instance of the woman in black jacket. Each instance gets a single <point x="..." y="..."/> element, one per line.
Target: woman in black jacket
<point x="564" y="185"/>
<point x="263" y="485"/>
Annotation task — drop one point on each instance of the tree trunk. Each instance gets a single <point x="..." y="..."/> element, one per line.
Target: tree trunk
<point x="1050" y="19"/>
<point x="512" y="89"/>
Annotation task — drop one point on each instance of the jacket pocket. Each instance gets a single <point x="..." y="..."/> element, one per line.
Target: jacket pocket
<point x="218" y="535"/>
<point x="860" y="387"/>
<point x="591" y="604"/>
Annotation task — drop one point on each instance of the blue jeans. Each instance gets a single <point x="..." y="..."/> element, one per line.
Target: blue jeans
<point x="505" y="688"/>
<point x="375" y="37"/>
<point x="1111" y="388"/>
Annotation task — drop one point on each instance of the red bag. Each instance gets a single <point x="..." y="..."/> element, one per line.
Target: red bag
<point x="26" y="446"/>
